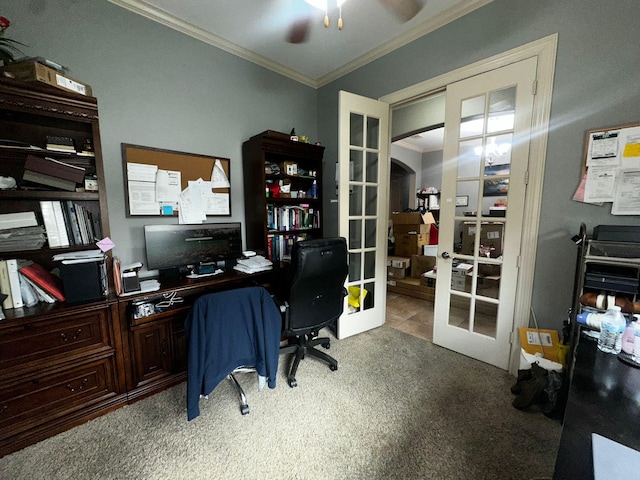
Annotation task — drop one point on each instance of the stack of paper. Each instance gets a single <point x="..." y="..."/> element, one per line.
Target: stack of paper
<point x="80" y="257"/>
<point x="253" y="264"/>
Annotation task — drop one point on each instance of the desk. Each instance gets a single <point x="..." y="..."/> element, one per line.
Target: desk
<point x="154" y="346"/>
<point x="604" y="398"/>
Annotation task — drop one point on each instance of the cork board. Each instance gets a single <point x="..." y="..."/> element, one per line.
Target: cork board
<point x="190" y="165"/>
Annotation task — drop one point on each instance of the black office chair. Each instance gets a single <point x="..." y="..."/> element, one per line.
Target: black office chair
<point x="230" y="332"/>
<point x="314" y="298"/>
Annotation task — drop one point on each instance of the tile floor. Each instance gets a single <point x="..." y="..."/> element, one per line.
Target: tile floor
<point x="415" y="317"/>
<point x="410" y="315"/>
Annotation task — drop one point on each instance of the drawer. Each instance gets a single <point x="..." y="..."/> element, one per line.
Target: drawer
<point x="38" y="398"/>
<point x="32" y="341"/>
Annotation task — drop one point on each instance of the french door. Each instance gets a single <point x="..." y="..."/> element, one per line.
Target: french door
<point x="488" y="122"/>
<point x="363" y="171"/>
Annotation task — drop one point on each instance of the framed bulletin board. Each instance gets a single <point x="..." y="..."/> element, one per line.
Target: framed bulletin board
<point x="166" y="182"/>
<point x="611" y="169"/>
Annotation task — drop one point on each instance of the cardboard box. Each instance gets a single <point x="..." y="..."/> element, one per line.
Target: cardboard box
<point x="36" y="72"/>
<point x="545" y="342"/>
<point x="411" y="287"/>
<point x="412" y="218"/>
<point x="491" y="235"/>
<point x="488" y="286"/>
<point x="398" y="262"/>
<point x="405" y="228"/>
<point x="393" y="272"/>
<point x="410" y="244"/>
<point x="421" y="264"/>
<point x="461" y="277"/>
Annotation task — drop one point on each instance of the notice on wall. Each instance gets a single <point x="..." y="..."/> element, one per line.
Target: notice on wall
<point x="612" y="170"/>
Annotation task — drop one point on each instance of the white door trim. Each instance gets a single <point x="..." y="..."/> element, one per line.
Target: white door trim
<point x="545" y="49"/>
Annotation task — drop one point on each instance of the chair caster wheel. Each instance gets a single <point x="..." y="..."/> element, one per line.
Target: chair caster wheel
<point x="244" y="409"/>
<point x="333" y="367"/>
<point x="326" y="345"/>
<point x="292" y="382"/>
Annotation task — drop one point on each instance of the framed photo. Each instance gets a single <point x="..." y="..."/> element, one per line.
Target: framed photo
<point x="496" y="188"/>
<point x="462" y="201"/>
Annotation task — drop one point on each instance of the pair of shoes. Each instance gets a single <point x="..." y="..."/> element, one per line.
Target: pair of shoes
<point x="531" y="390"/>
<point x="523" y="375"/>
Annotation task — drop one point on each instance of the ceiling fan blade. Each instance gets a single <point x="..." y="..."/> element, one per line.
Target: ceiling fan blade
<point x="299" y="31"/>
<point x="405" y="10"/>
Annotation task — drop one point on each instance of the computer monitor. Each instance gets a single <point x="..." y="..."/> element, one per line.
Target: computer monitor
<point x="177" y="247"/>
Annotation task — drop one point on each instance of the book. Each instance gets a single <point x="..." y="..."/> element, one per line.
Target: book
<point x="54" y="168"/>
<point x="46" y="280"/>
<point x="60" y="223"/>
<point x="29" y="294"/>
<point x="73" y="220"/>
<point x="50" y="223"/>
<point x="5" y="285"/>
<point x="18" y="219"/>
<point x="43" y="179"/>
<point x="60" y="144"/>
<point x="14" y="282"/>
<point x="40" y="294"/>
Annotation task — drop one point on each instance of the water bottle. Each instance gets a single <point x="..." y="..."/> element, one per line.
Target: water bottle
<point x="314" y="190"/>
<point x="611" y="330"/>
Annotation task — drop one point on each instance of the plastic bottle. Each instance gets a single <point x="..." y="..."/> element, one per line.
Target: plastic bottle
<point x="590" y="319"/>
<point x="636" y="343"/>
<point x="314" y="190"/>
<point x="611" y="330"/>
<point x="628" y="339"/>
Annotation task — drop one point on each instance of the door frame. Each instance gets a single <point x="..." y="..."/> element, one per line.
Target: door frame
<point x="545" y="50"/>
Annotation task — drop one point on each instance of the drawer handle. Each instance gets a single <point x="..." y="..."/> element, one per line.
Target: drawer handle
<point x="75" y="337"/>
<point x="3" y="409"/>
<point x="81" y="387"/>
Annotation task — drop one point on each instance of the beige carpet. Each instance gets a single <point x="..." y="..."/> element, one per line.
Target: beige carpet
<point x="397" y="408"/>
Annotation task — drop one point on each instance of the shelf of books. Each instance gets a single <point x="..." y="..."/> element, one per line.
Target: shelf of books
<point x="52" y="196"/>
<point x="283" y="193"/>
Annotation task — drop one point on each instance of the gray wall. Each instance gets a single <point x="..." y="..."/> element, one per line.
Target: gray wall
<point x="596" y="85"/>
<point x="159" y="88"/>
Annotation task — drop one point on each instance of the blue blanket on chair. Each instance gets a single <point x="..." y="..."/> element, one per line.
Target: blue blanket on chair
<point x="226" y="330"/>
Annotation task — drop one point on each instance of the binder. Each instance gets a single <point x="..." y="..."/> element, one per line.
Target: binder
<point x="50" y="224"/>
<point x="5" y="285"/>
<point x="14" y="282"/>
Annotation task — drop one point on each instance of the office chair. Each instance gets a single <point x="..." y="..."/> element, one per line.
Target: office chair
<point x="314" y="298"/>
<point x="230" y="332"/>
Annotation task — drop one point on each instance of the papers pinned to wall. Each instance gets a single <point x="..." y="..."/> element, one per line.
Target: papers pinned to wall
<point x="164" y="182"/>
<point x="612" y="169"/>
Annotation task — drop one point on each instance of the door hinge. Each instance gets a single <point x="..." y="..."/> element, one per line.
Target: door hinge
<point x="512" y="338"/>
<point x="534" y="90"/>
<point x="526" y="177"/>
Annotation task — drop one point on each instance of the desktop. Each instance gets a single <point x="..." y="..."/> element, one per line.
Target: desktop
<point x="182" y="249"/>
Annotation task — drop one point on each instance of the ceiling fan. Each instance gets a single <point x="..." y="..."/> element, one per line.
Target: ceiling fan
<point x="404" y="10"/>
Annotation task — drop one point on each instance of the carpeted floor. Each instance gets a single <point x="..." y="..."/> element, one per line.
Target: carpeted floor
<point x="397" y="408"/>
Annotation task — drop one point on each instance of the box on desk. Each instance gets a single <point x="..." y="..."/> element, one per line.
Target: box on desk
<point x="36" y="72"/>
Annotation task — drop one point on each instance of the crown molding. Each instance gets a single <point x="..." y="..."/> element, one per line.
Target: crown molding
<point x="142" y="8"/>
<point x="440" y="20"/>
